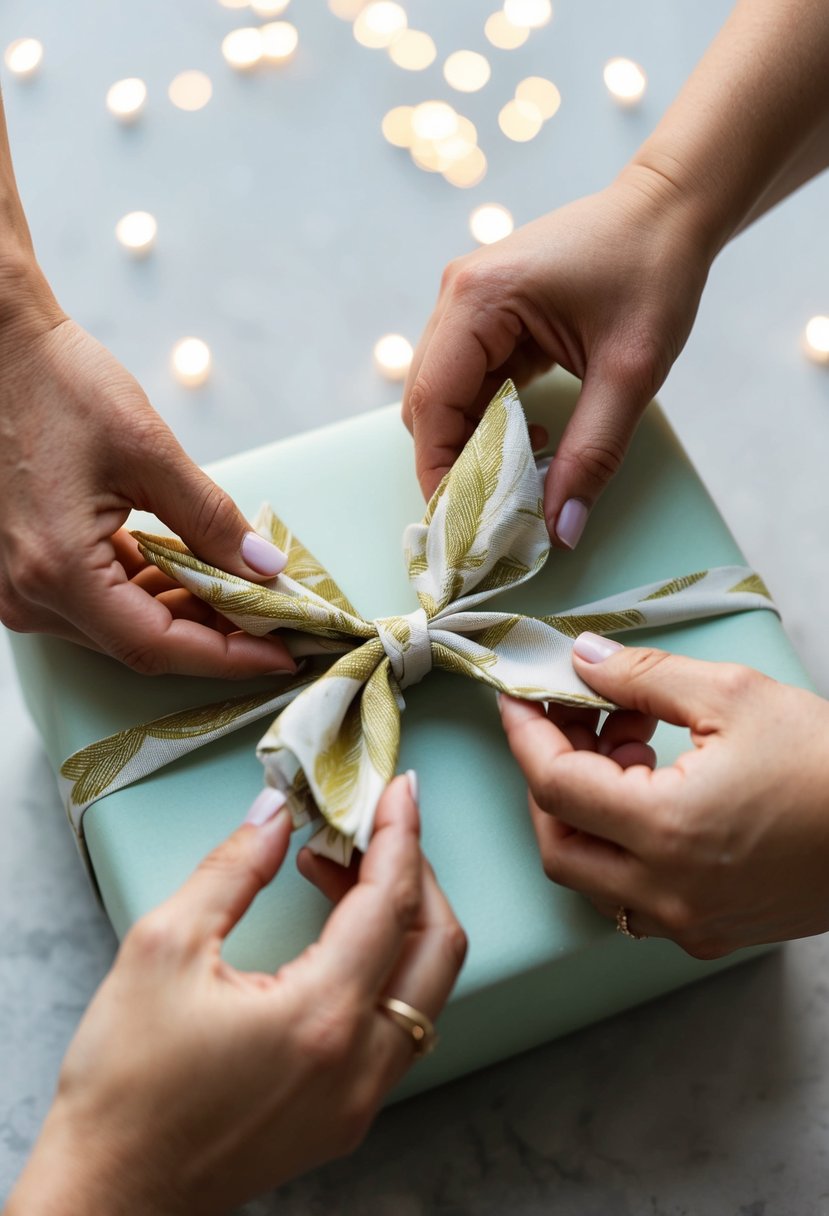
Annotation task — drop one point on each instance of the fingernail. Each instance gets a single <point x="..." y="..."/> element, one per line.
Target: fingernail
<point x="593" y="648"/>
<point x="289" y="668"/>
<point x="571" y="520"/>
<point x="264" y="806"/>
<point x="414" y="785"/>
<point x="261" y="555"/>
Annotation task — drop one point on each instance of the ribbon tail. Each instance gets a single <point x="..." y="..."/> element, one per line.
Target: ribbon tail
<point x="113" y="763"/>
<point x="334" y="750"/>
<point x="701" y="595"/>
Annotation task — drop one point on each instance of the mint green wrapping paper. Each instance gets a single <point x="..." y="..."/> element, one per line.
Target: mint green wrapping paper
<point x="540" y="962"/>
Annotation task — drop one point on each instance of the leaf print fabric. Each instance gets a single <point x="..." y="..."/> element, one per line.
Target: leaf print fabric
<point x="333" y="748"/>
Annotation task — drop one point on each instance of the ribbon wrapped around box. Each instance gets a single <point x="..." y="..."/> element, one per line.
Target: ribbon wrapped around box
<point x="155" y="771"/>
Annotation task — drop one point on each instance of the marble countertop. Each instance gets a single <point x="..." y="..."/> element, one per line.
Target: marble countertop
<point x="290" y="238"/>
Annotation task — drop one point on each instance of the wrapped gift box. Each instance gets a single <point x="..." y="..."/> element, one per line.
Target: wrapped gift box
<point x="540" y="961"/>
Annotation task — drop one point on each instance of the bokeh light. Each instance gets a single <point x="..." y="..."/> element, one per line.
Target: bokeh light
<point x="625" y="81"/>
<point x="413" y="50"/>
<point x="503" y="34"/>
<point x="520" y="120"/>
<point x="816" y="339"/>
<point x="136" y="231"/>
<point x="490" y="223"/>
<point x="434" y="120"/>
<point x="269" y="8"/>
<point x="190" y="90"/>
<point x="127" y="98"/>
<point x="397" y="126"/>
<point x="191" y="362"/>
<point x="24" y="56"/>
<point x="541" y="93"/>
<point x="467" y="71"/>
<point x="467" y="172"/>
<point x="279" y="41"/>
<point x="347" y="10"/>
<point x="379" y="23"/>
<point x="392" y="356"/>
<point x="242" y="48"/>
<point x="529" y="13"/>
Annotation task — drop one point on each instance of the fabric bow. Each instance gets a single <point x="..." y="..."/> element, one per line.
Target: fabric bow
<point x="334" y="746"/>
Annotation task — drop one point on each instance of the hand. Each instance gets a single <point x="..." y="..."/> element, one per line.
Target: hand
<point x="190" y="1086"/>
<point x="607" y="287"/>
<point x="81" y="446"/>
<point x="728" y="846"/>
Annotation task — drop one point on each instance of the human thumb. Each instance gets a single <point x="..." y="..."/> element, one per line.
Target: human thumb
<point x="667" y="686"/>
<point x="206" y="518"/>
<point x="591" y="449"/>
<point x="225" y="883"/>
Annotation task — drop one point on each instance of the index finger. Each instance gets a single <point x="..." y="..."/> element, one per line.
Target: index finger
<point x="443" y="400"/>
<point x="140" y="630"/>
<point x="585" y="790"/>
<point x="364" y="935"/>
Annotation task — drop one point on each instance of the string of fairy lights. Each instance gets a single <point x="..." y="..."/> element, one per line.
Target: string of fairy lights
<point x="437" y="136"/>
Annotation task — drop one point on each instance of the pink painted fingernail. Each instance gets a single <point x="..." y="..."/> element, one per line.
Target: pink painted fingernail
<point x="261" y="555"/>
<point x="414" y="785"/>
<point x="593" y="648"/>
<point x="571" y="521"/>
<point x="265" y="805"/>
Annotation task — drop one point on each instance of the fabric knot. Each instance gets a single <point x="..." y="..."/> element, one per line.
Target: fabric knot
<point x="407" y="643"/>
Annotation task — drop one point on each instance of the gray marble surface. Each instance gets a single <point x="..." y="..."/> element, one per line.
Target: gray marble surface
<point x="290" y="238"/>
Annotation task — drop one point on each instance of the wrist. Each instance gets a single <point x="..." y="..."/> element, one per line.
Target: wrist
<point x="678" y="229"/>
<point x="75" y="1171"/>
<point x="28" y="308"/>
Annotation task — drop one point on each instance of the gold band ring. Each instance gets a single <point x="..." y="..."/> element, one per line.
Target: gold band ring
<point x="624" y="928"/>
<point x="423" y="1034"/>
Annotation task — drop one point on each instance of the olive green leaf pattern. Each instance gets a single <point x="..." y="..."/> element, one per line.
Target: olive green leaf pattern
<point x="96" y="769"/>
<point x="676" y="585"/>
<point x="752" y="584"/>
<point x="598" y="622"/>
<point x="334" y="744"/>
<point x="302" y="566"/>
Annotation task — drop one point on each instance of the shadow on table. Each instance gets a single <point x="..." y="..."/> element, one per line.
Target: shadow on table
<point x="682" y="1105"/>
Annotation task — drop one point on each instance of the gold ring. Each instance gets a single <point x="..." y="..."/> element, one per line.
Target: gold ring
<point x="424" y="1036"/>
<point x="623" y="927"/>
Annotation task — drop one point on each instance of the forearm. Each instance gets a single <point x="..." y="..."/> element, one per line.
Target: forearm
<point x="750" y="125"/>
<point x="27" y="305"/>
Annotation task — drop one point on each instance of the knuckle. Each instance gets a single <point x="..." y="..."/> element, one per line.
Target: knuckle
<point x="678" y="917"/>
<point x="328" y="1038"/>
<point x="152" y="938"/>
<point x="457" y="944"/>
<point x="406" y="898"/>
<point x="639" y="360"/>
<point x="598" y="462"/>
<point x="15" y="615"/>
<point x="551" y="864"/>
<point x="419" y="401"/>
<point x="736" y="681"/>
<point x="32" y="574"/>
<point x="450" y="272"/>
<point x="226" y="858"/>
<point x="143" y="658"/>
<point x="645" y="661"/>
<point x="214" y="513"/>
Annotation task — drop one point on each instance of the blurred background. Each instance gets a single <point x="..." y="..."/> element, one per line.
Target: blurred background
<point x="288" y="234"/>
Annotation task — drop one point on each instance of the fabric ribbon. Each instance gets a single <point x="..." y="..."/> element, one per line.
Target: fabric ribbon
<point x="334" y="746"/>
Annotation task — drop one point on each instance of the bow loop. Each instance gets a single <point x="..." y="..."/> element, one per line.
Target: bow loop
<point x="334" y="747"/>
<point x="484" y="528"/>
